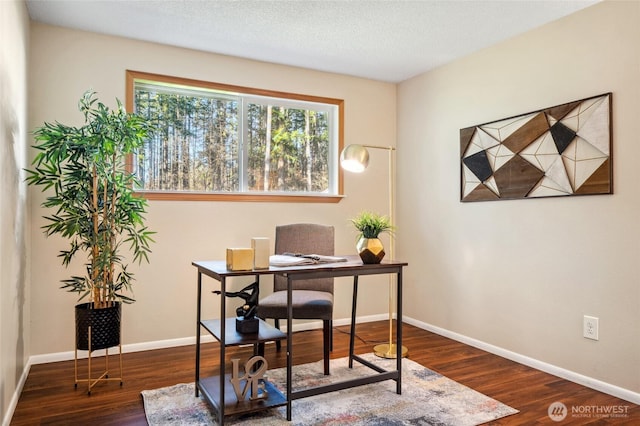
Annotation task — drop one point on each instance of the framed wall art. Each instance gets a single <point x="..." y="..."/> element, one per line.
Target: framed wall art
<point x="559" y="151"/>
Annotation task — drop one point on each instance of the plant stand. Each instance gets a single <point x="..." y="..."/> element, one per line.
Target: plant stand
<point x="105" y="374"/>
<point x="97" y="329"/>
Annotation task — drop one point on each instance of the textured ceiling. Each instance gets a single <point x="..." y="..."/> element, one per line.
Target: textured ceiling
<point x="387" y="40"/>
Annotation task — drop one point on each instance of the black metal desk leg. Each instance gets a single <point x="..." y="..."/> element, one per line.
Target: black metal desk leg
<point x="289" y="343"/>
<point x="354" y="304"/>
<point x="223" y="328"/>
<point x="399" y="332"/>
<point x="198" y="317"/>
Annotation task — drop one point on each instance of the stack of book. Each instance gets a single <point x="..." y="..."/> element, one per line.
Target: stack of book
<point x="296" y="259"/>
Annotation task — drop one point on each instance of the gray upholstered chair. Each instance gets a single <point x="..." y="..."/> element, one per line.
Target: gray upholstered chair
<point x="313" y="298"/>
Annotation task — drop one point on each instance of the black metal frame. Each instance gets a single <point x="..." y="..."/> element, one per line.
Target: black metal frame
<point x="353" y="267"/>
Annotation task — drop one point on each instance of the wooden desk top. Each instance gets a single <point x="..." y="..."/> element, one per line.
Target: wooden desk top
<point x="353" y="266"/>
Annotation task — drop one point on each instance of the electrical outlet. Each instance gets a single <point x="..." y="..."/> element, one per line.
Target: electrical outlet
<point x="590" y="327"/>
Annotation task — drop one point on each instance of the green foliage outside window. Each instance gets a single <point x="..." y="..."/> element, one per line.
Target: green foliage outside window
<point x="209" y="141"/>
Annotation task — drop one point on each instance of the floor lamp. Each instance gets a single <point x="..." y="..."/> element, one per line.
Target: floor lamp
<point x="355" y="158"/>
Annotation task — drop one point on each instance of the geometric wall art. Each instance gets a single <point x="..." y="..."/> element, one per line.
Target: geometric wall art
<point x="558" y="151"/>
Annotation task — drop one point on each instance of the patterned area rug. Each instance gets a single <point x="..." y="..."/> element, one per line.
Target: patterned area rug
<point x="428" y="398"/>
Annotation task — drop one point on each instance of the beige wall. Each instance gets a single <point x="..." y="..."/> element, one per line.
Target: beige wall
<point x="520" y="275"/>
<point x="14" y="350"/>
<point x="64" y="63"/>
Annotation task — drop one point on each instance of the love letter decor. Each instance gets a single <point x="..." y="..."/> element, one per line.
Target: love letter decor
<point x="558" y="151"/>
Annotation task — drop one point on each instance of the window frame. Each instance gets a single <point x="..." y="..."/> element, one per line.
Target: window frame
<point x="254" y="196"/>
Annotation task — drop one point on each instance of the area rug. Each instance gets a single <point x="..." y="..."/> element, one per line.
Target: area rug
<point x="428" y="398"/>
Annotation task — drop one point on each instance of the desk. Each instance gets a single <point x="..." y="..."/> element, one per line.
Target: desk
<point x="217" y="391"/>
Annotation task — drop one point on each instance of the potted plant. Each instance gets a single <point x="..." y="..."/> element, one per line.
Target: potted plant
<point x="83" y="171"/>
<point x="370" y="226"/>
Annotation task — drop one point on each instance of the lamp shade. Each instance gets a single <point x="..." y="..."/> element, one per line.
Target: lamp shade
<point x="354" y="158"/>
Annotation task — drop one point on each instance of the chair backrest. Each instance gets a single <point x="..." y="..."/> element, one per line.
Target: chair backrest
<point x="305" y="238"/>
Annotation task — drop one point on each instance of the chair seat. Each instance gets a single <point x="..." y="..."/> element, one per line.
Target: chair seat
<point x="307" y="304"/>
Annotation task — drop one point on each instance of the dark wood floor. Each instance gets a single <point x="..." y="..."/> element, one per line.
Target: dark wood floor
<point x="49" y="397"/>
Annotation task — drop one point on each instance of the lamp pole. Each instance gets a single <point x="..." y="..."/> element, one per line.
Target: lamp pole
<point x="360" y="155"/>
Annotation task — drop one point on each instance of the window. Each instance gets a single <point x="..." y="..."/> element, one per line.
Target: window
<point x="221" y="142"/>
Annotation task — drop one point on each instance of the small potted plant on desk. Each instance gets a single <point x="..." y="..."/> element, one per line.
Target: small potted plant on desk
<point x="370" y="226"/>
<point x="91" y="193"/>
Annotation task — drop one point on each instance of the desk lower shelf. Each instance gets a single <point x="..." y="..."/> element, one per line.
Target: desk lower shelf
<point x="266" y="332"/>
<point x="210" y="387"/>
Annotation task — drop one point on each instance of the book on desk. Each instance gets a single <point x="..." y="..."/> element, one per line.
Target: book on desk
<point x="295" y="259"/>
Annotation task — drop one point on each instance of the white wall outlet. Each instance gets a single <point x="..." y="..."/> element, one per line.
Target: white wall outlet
<point x="590" y="327"/>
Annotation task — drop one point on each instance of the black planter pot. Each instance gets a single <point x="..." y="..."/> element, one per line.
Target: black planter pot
<point x="104" y="323"/>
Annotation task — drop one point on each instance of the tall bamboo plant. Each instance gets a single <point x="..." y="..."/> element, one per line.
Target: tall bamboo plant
<point x="93" y="198"/>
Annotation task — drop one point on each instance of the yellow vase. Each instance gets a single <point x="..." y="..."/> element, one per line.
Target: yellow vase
<point x="370" y="250"/>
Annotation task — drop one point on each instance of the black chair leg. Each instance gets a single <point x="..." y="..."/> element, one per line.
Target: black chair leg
<point x="326" y="344"/>
<point x="331" y="335"/>
<point x="276" y="322"/>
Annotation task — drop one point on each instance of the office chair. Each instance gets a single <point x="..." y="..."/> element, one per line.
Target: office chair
<point x="311" y="299"/>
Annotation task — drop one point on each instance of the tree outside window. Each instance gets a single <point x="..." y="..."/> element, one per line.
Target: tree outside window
<point x="211" y="140"/>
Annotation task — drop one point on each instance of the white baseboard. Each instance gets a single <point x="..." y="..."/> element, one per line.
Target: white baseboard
<point x="16" y="395"/>
<point x="572" y="376"/>
<point x="184" y="341"/>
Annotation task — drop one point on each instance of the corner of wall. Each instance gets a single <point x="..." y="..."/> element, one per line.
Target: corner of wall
<point x="14" y="299"/>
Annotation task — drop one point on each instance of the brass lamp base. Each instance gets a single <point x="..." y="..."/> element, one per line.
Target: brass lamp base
<point x="389" y="351"/>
